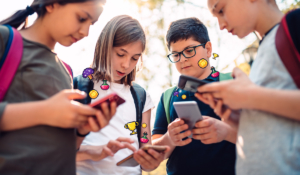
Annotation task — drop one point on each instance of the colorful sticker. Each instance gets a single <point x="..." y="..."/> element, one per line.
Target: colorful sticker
<point x="144" y="139"/>
<point x="144" y="125"/>
<point x="183" y="96"/>
<point x="214" y="72"/>
<point x="176" y="93"/>
<point x="104" y="86"/>
<point x="132" y="127"/>
<point x="88" y="73"/>
<point x="202" y="63"/>
<point x="93" y="94"/>
<point x="215" y="56"/>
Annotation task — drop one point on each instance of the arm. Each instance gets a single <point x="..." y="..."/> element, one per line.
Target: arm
<point x="97" y="153"/>
<point x="241" y="93"/>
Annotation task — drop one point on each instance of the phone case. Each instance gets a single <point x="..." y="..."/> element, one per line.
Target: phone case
<point x="189" y="112"/>
<point x="109" y="98"/>
<point x="189" y="83"/>
<point x="130" y="161"/>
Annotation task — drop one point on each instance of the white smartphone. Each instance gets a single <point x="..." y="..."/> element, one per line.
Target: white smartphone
<point x="189" y="112"/>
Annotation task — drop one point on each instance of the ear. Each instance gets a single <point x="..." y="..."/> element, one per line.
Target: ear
<point x="208" y="48"/>
<point x="50" y="8"/>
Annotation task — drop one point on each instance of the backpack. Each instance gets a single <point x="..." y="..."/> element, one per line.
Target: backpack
<point x="137" y="92"/>
<point x="287" y="41"/>
<point x="11" y="59"/>
<point x="167" y="96"/>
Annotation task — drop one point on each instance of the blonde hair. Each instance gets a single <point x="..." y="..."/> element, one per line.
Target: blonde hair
<point x="119" y="31"/>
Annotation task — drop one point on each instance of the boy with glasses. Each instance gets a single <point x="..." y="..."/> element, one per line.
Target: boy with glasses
<point x="190" y="48"/>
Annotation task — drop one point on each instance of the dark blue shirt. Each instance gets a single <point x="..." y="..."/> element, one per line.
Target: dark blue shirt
<point x="196" y="157"/>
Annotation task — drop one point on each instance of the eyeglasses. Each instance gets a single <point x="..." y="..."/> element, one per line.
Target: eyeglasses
<point x="187" y="53"/>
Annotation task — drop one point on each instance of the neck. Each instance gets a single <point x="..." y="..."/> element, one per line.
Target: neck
<point x="206" y="72"/>
<point x="38" y="33"/>
<point x="270" y="15"/>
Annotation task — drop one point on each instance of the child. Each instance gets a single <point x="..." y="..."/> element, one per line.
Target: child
<point x="188" y="41"/>
<point x="268" y="127"/>
<point x="37" y="115"/>
<point x="118" y="50"/>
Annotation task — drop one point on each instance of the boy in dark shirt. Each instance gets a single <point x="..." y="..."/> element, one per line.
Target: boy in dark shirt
<point x="188" y="41"/>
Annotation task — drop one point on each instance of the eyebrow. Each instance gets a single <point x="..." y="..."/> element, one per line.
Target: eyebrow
<point x="89" y="16"/>
<point x="185" y="48"/>
<point x="139" y="54"/>
<point x="215" y="6"/>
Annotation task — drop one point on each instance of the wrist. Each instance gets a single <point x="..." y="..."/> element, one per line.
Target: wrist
<point x="231" y="134"/>
<point x="82" y="132"/>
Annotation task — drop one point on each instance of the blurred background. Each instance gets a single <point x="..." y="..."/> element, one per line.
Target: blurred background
<point x="158" y="73"/>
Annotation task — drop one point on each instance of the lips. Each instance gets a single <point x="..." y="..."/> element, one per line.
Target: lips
<point x="74" y="39"/>
<point x="186" y="67"/>
<point x="120" y="73"/>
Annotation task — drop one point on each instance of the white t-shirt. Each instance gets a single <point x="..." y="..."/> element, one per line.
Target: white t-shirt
<point x="125" y="113"/>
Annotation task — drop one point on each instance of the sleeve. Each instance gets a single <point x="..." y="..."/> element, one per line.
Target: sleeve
<point x="161" y="123"/>
<point x="148" y="104"/>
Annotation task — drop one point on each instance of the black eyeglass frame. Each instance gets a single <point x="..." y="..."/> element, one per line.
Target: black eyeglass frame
<point x="181" y="53"/>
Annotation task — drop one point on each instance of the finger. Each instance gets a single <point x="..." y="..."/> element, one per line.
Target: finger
<point x="113" y="108"/>
<point x="201" y="97"/>
<point x="125" y="139"/>
<point x="185" y="134"/>
<point x="208" y="141"/>
<point x="146" y="156"/>
<point x="129" y="146"/>
<point x="218" y="108"/>
<point x="156" y="155"/>
<point x="225" y="116"/>
<point x="83" y="109"/>
<point x="101" y="119"/>
<point x="108" y="151"/>
<point x="74" y="94"/>
<point x="202" y="136"/>
<point x="206" y="122"/>
<point x="179" y="129"/>
<point x="211" y="87"/>
<point x="201" y="130"/>
<point x="93" y="124"/>
<point x="177" y="122"/>
<point x="184" y="142"/>
<point x="140" y="159"/>
<point x="211" y="100"/>
<point x="105" y="110"/>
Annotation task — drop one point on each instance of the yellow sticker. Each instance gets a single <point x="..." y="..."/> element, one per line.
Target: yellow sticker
<point x="93" y="94"/>
<point x="132" y="127"/>
<point x="183" y="96"/>
<point x="215" y="56"/>
<point x="144" y="125"/>
<point x="202" y="63"/>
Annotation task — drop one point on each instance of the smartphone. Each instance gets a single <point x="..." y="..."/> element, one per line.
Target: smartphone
<point x="189" y="112"/>
<point x="130" y="161"/>
<point x="189" y="83"/>
<point x="108" y="99"/>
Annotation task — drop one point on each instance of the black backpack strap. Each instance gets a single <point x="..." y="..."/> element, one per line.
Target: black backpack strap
<point x="83" y="84"/>
<point x="139" y="97"/>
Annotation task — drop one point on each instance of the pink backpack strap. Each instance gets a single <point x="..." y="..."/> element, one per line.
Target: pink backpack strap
<point x="287" y="51"/>
<point x="68" y="68"/>
<point x="11" y="64"/>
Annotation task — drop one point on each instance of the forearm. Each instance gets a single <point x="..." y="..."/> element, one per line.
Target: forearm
<point x="281" y="102"/>
<point x="232" y="134"/>
<point x="89" y="152"/>
<point x="79" y="140"/>
<point x="164" y="140"/>
<point x="22" y="115"/>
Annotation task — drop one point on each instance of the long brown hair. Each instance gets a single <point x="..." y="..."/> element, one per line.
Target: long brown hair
<point x="119" y="31"/>
<point x="38" y="6"/>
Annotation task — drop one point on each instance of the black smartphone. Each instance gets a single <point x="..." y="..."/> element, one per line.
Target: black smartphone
<point x="189" y="83"/>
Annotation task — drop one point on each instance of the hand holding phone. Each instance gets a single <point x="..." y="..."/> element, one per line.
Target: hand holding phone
<point x="108" y="99"/>
<point x="189" y="83"/>
<point x="189" y="112"/>
<point x="131" y="162"/>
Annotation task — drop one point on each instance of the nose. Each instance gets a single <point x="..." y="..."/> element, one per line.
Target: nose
<point x="84" y="30"/>
<point x="222" y="24"/>
<point x="182" y="58"/>
<point x="125" y="63"/>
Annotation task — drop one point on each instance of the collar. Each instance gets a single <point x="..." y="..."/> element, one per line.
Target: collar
<point x="267" y="33"/>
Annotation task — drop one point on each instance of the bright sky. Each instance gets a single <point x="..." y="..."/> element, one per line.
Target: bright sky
<point x="80" y="55"/>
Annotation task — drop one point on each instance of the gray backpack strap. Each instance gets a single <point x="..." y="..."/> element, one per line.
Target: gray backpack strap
<point x="139" y="97"/>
